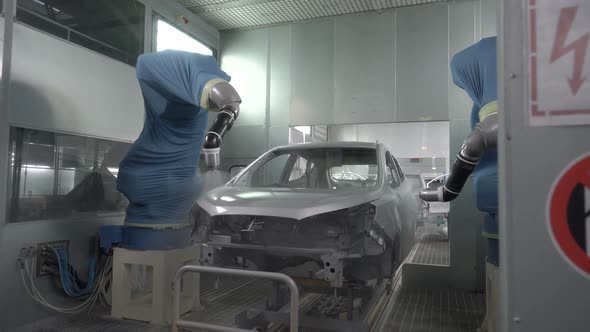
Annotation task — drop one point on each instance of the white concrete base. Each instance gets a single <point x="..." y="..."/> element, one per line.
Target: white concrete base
<point x="491" y="322"/>
<point x="153" y="301"/>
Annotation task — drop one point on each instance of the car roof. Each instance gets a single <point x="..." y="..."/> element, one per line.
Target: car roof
<point x="305" y="146"/>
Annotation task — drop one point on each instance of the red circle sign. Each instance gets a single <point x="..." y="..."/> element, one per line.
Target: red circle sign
<point x="569" y="213"/>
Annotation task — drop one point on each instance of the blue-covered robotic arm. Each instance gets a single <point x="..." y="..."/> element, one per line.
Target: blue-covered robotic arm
<point x="474" y="70"/>
<point x="178" y="78"/>
<point x="159" y="174"/>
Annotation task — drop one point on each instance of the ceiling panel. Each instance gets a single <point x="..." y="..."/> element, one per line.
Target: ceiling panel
<point x="236" y="14"/>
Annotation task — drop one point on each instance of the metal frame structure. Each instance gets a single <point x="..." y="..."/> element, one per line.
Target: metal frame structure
<point x="177" y="322"/>
<point x="70" y="31"/>
<point x="540" y="290"/>
<point x="9" y="13"/>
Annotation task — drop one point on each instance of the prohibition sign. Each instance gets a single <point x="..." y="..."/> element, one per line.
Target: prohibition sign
<point x="569" y="214"/>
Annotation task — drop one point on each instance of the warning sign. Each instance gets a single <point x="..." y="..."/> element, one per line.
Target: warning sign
<point x="559" y="58"/>
<point x="569" y="214"/>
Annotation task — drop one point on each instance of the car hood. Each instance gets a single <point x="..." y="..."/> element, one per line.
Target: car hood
<point x="281" y="202"/>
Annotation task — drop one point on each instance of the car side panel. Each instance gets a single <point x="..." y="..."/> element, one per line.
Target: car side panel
<point x="387" y="214"/>
<point x="409" y="215"/>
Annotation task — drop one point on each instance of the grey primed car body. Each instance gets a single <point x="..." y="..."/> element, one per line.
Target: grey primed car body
<point x="418" y="183"/>
<point x="396" y="207"/>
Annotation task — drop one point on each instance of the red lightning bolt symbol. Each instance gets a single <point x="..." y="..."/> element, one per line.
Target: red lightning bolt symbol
<point x="579" y="47"/>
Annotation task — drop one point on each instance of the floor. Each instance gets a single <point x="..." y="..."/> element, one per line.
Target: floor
<point x="431" y="248"/>
<point x="222" y="298"/>
<point x="410" y="310"/>
<point x="88" y="323"/>
<point x="436" y="310"/>
<point x="414" y="310"/>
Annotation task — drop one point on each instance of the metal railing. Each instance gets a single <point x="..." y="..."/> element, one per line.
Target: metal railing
<point x="177" y="322"/>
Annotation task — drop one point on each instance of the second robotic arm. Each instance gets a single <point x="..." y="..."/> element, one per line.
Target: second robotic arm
<point x="483" y="137"/>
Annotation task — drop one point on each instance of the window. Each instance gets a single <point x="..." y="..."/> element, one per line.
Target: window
<point x="354" y="172"/>
<point x="392" y="175"/>
<point x="428" y="167"/>
<point x="300" y="169"/>
<point x="55" y="175"/>
<point x="399" y="171"/>
<point x="271" y="172"/>
<point x="308" y="134"/>
<point x="300" y="134"/>
<point x="319" y="133"/>
<point x="112" y="28"/>
<point x="314" y="168"/>
<point x="171" y="38"/>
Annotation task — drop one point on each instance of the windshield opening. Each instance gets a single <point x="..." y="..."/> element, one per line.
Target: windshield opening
<point x="314" y="168"/>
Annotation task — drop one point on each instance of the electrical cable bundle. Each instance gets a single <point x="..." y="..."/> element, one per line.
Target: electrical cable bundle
<point x="67" y="273"/>
<point x="97" y="288"/>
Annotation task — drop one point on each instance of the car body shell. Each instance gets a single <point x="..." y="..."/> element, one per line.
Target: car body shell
<point x="394" y="201"/>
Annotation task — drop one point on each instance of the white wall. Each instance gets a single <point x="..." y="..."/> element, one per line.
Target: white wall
<point x="241" y="59"/>
<point x="407" y="141"/>
<point x="404" y="140"/>
<point x="59" y="86"/>
<point x="391" y="66"/>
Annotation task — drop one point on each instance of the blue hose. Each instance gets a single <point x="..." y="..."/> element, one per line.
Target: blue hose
<point x="70" y="286"/>
<point x="64" y="284"/>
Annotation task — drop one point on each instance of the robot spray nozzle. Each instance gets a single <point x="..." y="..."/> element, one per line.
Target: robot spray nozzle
<point x="431" y="194"/>
<point x="212" y="159"/>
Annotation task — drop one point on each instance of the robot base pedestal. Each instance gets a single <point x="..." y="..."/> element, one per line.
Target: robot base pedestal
<point x="142" y="283"/>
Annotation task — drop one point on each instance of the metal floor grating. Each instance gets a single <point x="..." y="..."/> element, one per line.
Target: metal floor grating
<point x="412" y="310"/>
<point x="432" y="248"/>
<point x="436" y="310"/>
<point x="222" y="298"/>
<point x="88" y="323"/>
<point x="222" y="302"/>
